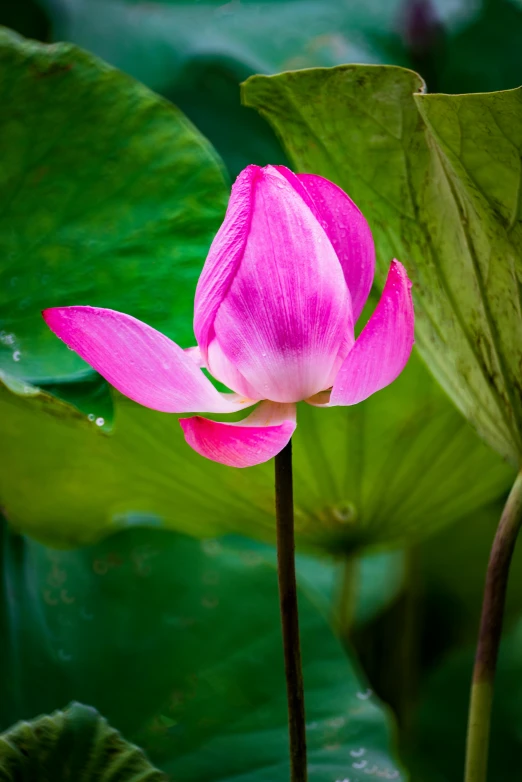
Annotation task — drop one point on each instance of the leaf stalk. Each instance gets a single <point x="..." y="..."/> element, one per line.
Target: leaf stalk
<point x="490" y="632"/>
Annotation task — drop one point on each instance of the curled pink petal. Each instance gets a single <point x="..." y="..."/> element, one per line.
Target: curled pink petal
<point x="285" y="323"/>
<point x="224" y="257"/>
<point x="139" y="361"/>
<point x="383" y="348"/>
<point x="349" y="234"/>
<point x="298" y="184"/>
<point x="227" y="373"/>
<point x="252" y="441"/>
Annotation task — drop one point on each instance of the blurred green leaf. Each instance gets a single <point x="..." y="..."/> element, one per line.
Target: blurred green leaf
<point x="436" y="749"/>
<point x="378" y="579"/>
<point x="105" y="190"/>
<point x="461" y="46"/>
<point x="27" y="17"/>
<point x="394" y="468"/>
<point x="178" y="642"/>
<point x="483" y="55"/>
<point x="74" y="744"/>
<point x="454" y="564"/>
<point x="251" y="35"/>
<point x="196" y="54"/>
<point x="442" y="195"/>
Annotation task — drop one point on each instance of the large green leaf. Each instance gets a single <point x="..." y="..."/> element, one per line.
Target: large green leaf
<point x="106" y="189"/>
<point x="438" y="178"/>
<point x="178" y="642"/>
<point x="73" y="745"/>
<point x="394" y="468"/>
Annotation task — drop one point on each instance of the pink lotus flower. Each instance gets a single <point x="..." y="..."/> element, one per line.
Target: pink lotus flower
<point x="286" y="277"/>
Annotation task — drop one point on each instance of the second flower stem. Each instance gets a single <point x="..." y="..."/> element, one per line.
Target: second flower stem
<point x="289" y="614"/>
<point x="490" y="634"/>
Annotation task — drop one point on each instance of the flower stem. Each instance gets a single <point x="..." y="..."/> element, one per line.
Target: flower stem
<point x="284" y="495"/>
<point x="489" y="635"/>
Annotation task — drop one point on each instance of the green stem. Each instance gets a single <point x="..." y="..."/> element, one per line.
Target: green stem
<point x="489" y="636"/>
<point x="289" y="615"/>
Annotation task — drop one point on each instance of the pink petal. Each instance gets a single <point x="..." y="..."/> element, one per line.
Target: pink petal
<point x="252" y="441"/>
<point x="195" y="355"/>
<point x="383" y="348"/>
<point x="224" y="257"/>
<point x="227" y="373"/>
<point x="139" y="361"/>
<point x="285" y="322"/>
<point x="298" y="183"/>
<point x="349" y="234"/>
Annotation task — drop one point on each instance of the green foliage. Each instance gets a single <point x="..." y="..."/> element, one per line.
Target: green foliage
<point x="178" y="642"/>
<point x="26" y="17"/>
<point x="392" y="469"/>
<point x="111" y="198"/>
<point x="389" y="470"/>
<point x="481" y="52"/>
<point x="105" y="190"/>
<point x="75" y="744"/>
<point x="438" y="177"/>
<point x="377" y="580"/>
<point x="196" y="54"/>
<point x="436" y="749"/>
